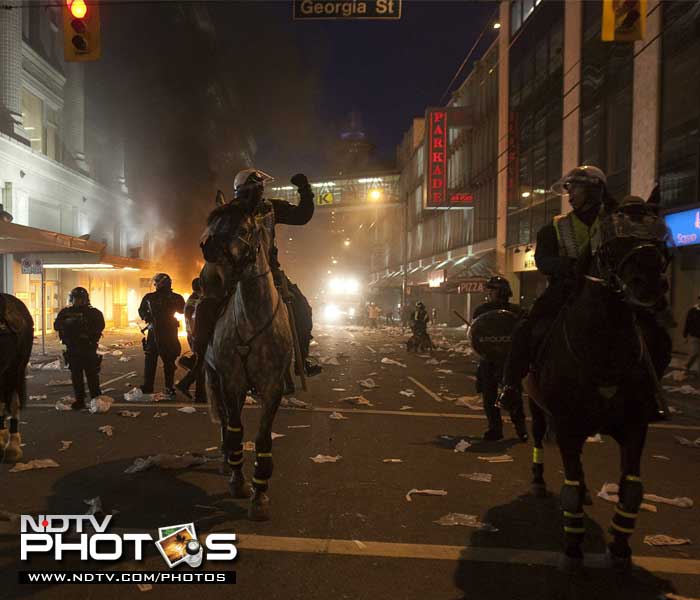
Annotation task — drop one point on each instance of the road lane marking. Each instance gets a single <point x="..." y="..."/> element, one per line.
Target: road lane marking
<point x="679" y="566"/>
<point x="427" y="390"/>
<point x="371" y="349"/>
<point x="104" y="383"/>
<point x="394" y="413"/>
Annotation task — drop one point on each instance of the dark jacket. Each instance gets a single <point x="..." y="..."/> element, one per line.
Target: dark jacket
<point x="692" y="323"/>
<point x="80" y="327"/>
<point x="489" y="306"/>
<point x="158" y="310"/>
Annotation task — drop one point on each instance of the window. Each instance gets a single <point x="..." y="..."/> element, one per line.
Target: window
<point x="52" y="143"/>
<point x="33" y="119"/>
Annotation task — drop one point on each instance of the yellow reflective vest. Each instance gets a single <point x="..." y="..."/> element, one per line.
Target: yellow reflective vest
<point x="573" y="234"/>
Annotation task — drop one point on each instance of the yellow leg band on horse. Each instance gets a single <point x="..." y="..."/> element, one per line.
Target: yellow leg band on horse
<point x="622" y="529"/>
<point x="263" y="454"/>
<point x="538" y="456"/>
<point x="571" y="515"/>
<point x="627" y="515"/>
<point x="572" y="482"/>
<point x="574" y="530"/>
<point x="632" y="478"/>
<point x="237" y="452"/>
<point x="259" y="481"/>
<point x="233" y="429"/>
<point x="235" y="463"/>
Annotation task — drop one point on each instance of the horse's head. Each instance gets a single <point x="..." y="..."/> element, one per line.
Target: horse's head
<point x="232" y="237"/>
<point x="631" y="250"/>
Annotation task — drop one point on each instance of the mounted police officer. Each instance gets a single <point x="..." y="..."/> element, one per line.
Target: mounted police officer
<point x="158" y="309"/>
<point x="80" y="328"/>
<point x="490" y="369"/>
<point x="248" y="192"/>
<point x="420" y="320"/>
<point x="559" y="245"/>
<point x="194" y="375"/>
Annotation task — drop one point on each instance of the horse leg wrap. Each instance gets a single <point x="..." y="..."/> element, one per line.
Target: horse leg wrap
<point x="14" y="425"/>
<point x="538" y="464"/>
<point x="263" y="470"/>
<point x="626" y="511"/>
<point x="2" y="422"/>
<point x="234" y="447"/>
<point x="572" y="506"/>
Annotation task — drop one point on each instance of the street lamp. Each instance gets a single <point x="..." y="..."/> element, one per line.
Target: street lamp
<point x="346" y="243"/>
<point x="375" y="195"/>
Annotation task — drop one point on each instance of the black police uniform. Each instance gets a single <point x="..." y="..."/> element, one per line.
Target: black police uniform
<point x="158" y="310"/>
<point x="80" y="328"/>
<point x="196" y="376"/>
<point x="489" y="375"/>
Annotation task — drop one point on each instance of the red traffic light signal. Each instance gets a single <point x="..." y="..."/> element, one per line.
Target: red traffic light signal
<point x="81" y="30"/>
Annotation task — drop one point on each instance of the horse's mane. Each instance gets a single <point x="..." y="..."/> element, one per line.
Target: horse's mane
<point x="229" y="211"/>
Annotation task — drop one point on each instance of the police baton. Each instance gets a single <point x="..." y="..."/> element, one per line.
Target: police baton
<point x="468" y="323"/>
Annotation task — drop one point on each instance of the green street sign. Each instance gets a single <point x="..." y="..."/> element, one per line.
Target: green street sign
<point x="347" y="10"/>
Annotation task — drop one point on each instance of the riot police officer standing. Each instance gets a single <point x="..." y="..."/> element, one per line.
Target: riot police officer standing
<point x="489" y="372"/>
<point x="80" y="327"/>
<point x="158" y="309"/>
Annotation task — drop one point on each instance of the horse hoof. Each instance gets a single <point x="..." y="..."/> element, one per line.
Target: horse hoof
<point x="539" y="490"/>
<point x="240" y="488"/>
<point x="12" y="452"/>
<point x="570" y="565"/>
<point x="259" y="508"/>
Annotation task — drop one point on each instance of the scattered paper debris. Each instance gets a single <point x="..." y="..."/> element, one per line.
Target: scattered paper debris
<point x="686" y="442"/>
<point x="293" y="402"/>
<point x="427" y="492"/>
<point x="188" y="410"/>
<point x="40" y="397"/>
<point x="462" y="445"/>
<point x="165" y="461"/>
<point x="610" y="491"/>
<point x="357" y="400"/>
<point x="298" y="426"/>
<point x="392" y="460"/>
<point x="211" y="449"/>
<point x="339" y="390"/>
<point x="277" y="435"/>
<point x="471" y="402"/>
<point x="445" y="371"/>
<point x="249" y="446"/>
<point x="391" y="361"/>
<point x="313" y="343"/>
<point x="129" y="413"/>
<point x="330" y="361"/>
<point x="59" y="382"/>
<point x="160" y="415"/>
<point x="108" y="430"/>
<point x="134" y="395"/>
<point x="37" y="463"/>
<point x="664" y="540"/>
<point x="485" y="477"/>
<point x="660" y="457"/>
<point x="324" y="458"/>
<point x="432" y="361"/>
<point x="250" y="401"/>
<point x="144" y="587"/>
<point x="94" y="506"/>
<point x="502" y="458"/>
<point x="52" y="366"/>
<point x="595" y="439"/>
<point x="682" y="502"/>
<point x="65" y="444"/>
<point x="101" y="404"/>
<point x="409" y="393"/>
<point x="117" y="353"/>
<point x="683" y="389"/>
<point x="368" y="383"/>
<point x="452" y="519"/>
<point x="677" y="375"/>
<point x="124" y="359"/>
<point x="61" y="405"/>
<point x="337" y="416"/>
<point x="406" y="407"/>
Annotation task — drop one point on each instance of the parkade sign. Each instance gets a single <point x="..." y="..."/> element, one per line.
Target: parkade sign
<point x="685" y="227"/>
<point x="347" y="9"/>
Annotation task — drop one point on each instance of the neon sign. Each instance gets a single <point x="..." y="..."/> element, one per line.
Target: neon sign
<point x="685" y="227"/>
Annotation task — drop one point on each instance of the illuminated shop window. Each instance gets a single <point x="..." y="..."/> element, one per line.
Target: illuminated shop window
<point x="33" y="120"/>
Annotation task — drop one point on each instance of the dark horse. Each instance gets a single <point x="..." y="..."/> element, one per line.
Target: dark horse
<point x="591" y="372"/>
<point x="16" y="338"/>
<point x="252" y="345"/>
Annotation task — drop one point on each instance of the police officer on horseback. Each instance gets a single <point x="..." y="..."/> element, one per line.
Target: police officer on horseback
<point x="158" y="309"/>
<point x="80" y="328"/>
<point x="248" y="192"/>
<point x="489" y="371"/>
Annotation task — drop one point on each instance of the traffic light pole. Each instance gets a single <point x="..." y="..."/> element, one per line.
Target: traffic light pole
<point x="404" y="282"/>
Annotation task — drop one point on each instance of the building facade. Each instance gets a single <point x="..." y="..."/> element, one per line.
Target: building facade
<point x="63" y="191"/>
<point x="567" y="98"/>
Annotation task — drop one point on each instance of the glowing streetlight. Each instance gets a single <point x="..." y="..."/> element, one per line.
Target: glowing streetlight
<point x="346" y="243"/>
<point x="375" y="195"/>
<point x="496" y="25"/>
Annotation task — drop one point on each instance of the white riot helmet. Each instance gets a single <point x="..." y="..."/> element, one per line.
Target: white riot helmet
<point x="585" y="174"/>
<point x="248" y="185"/>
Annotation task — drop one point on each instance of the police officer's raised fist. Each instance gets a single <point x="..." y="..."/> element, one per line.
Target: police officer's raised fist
<point x="300" y="180"/>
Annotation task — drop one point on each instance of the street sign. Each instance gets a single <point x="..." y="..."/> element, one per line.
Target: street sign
<point x="32" y="267"/>
<point x="348" y="10"/>
<point x="472" y="286"/>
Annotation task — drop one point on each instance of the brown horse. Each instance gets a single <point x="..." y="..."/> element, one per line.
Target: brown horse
<point x="16" y="340"/>
<point x="252" y="345"/>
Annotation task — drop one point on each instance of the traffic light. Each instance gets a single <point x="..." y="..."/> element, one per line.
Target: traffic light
<point x="81" y="30"/>
<point x="624" y="20"/>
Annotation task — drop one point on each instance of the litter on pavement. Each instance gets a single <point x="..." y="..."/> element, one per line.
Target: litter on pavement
<point x="40" y="397"/>
<point x="37" y="463"/>
<point x="409" y="393"/>
<point x="391" y="361"/>
<point x="337" y="416"/>
<point x="108" y="430"/>
<point x="188" y="410"/>
<point x="392" y="460"/>
<point x="144" y="587"/>
<point x="65" y="444"/>
<point x="358" y="400"/>
<point x="277" y="435"/>
<point x="406" y="407"/>
<point x="462" y="445"/>
<point x="660" y="457"/>
<point x="683" y="389"/>
<point x="452" y="519"/>
<point x="134" y="395"/>
<point x="129" y="413"/>
<point x="324" y="458"/>
<point x="249" y="446"/>
<point x="664" y="540"/>
<point x="445" y="371"/>
<point x="293" y="402"/>
<point x="485" y="477"/>
<point x="160" y="415"/>
<point x="432" y="361"/>
<point x="297" y="426"/>
<point x="502" y="458"/>
<point x="686" y="442"/>
<point x="94" y="506"/>
<point x="330" y="361"/>
<point x="338" y="390"/>
<point x="61" y="405"/>
<point x="427" y="492"/>
<point x="101" y="404"/>
<point x="124" y="359"/>
<point x="360" y="545"/>
<point x="368" y="383"/>
<point x="165" y="461"/>
<point x="471" y="402"/>
<point x="595" y="439"/>
<point x="610" y="492"/>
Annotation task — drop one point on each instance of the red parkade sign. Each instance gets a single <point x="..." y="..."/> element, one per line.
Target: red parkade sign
<point x="438" y="122"/>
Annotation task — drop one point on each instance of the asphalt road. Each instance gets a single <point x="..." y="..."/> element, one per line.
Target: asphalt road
<point x="345" y="529"/>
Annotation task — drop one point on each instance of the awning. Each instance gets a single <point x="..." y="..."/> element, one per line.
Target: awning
<point x="483" y="266"/>
<point x="20" y="239"/>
